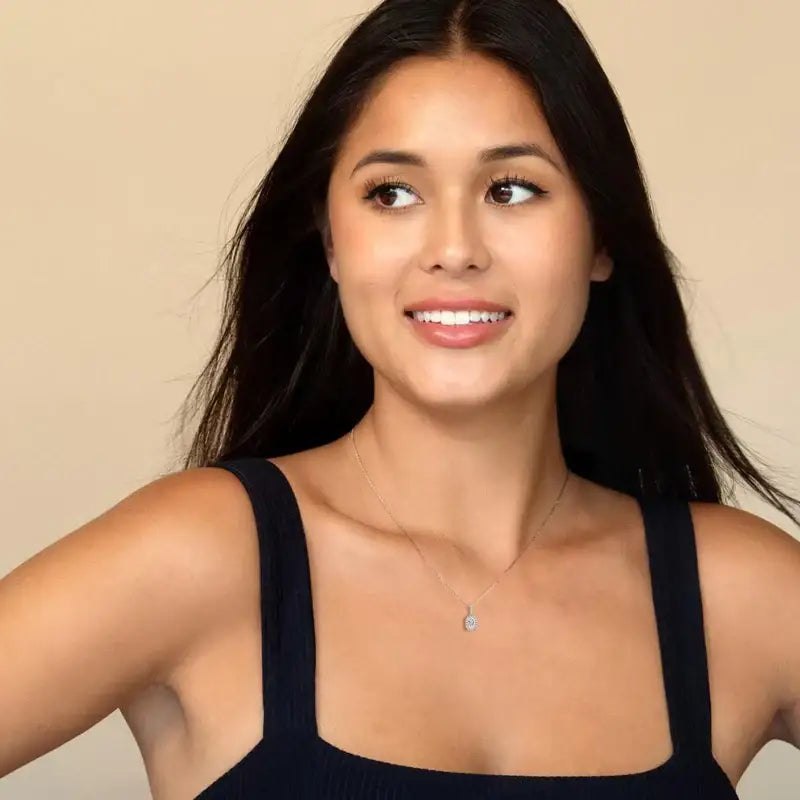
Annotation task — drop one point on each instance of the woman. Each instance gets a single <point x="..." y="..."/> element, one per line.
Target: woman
<point x="455" y="402"/>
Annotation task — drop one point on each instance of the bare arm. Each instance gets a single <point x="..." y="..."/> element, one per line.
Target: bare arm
<point x="775" y="598"/>
<point x="111" y="608"/>
<point x="787" y="719"/>
<point x="758" y="566"/>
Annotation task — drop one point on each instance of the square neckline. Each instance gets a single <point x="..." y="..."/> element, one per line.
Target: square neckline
<point x="675" y="759"/>
<point x="290" y="725"/>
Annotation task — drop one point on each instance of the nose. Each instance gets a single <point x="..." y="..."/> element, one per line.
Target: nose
<point x="455" y="242"/>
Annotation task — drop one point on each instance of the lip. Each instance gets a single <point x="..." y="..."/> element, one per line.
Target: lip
<point x="456" y="304"/>
<point x="458" y="336"/>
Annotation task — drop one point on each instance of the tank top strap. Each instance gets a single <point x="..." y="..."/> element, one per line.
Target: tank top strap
<point x="287" y="624"/>
<point x="677" y="600"/>
<point x="287" y="620"/>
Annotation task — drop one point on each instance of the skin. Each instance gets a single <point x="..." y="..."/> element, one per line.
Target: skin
<point x="563" y="676"/>
<point x="485" y="416"/>
<point x="464" y="447"/>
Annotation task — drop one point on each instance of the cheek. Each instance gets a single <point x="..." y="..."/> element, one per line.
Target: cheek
<point x="552" y="287"/>
<point x="552" y="263"/>
<point x="553" y="236"/>
<point x="369" y="248"/>
<point x="552" y="307"/>
<point x="370" y="279"/>
<point x="372" y="265"/>
<point x="370" y="284"/>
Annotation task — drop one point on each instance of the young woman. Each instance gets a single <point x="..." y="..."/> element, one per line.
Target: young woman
<point x="455" y="404"/>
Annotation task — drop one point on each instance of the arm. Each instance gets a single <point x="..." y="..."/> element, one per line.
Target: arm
<point x="111" y="608"/>
<point x="753" y="568"/>
<point x="785" y="627"/>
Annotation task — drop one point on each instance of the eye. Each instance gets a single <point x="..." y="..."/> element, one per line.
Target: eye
<point x="387" y="187"/>
<point x="390" y="188"/>
<point x="517" y="182"/>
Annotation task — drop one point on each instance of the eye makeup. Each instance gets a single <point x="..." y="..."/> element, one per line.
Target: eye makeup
<point x="375" y="187"/>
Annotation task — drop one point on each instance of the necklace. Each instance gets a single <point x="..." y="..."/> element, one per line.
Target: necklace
<point x="470" y="620"/>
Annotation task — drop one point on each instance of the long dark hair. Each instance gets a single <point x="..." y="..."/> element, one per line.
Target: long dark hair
<point x="635" y="412"/>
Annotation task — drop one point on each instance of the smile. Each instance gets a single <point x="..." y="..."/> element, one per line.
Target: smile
<point x="463" y="317"/>
<point x="459" y="329"/>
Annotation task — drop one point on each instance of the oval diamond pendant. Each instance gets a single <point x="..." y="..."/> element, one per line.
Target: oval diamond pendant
<point x="471" y="621"/>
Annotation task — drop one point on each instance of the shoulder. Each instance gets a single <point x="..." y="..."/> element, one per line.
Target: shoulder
<point x="192" y="534"/>
<point x="200" y="511"/>
<point x="744" y="541"/>
<point x="750" y="576"/>
<point x="117" y="605"/>
<point x="747" y="551"/>
<point x="213" y="532"/>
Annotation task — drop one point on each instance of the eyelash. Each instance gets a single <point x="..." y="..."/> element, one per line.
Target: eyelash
<point x="374" y="187"/>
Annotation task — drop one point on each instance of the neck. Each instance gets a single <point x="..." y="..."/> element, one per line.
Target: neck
<point x="483" y="482"/>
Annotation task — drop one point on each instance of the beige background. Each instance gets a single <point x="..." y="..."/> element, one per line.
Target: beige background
<point x="133" y="131"/>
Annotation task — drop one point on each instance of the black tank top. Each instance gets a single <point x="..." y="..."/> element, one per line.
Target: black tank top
<point x="292" y="761"/>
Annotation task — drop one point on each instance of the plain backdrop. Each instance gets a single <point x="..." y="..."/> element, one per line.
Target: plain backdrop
<point x="133" y="131"/>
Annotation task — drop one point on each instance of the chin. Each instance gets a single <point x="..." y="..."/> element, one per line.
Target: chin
<point x="455" y="397"/>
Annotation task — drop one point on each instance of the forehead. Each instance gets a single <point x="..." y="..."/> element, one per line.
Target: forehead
<point x="448" y="107"/>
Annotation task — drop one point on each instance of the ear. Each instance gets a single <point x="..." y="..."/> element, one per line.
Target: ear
<point x="334" y="269"/>
<point x="603" y="266"/>
<point x="332" y="265"/>
<point x="322" y="223"/>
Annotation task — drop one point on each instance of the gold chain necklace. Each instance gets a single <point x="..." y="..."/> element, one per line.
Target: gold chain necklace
<point x="470" y="621"/>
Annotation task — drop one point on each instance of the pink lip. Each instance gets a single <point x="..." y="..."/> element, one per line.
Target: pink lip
<point x="459" y="336"/>
<point x="456" y="304"/>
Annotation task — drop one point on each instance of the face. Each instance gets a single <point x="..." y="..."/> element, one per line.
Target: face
<point x="447" y="222"/>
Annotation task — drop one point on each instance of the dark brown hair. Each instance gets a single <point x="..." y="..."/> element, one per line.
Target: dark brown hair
<point x="635" y="412"/>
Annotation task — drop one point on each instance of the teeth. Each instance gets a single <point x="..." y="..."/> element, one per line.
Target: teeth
<point x="459" y="317"/>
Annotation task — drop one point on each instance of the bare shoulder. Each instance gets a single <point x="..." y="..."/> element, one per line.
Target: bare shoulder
<point x="208" y="545"/>
<point x="198" y="522"/>
<point x="750" y="574"/>
<point x="113" y="607"/>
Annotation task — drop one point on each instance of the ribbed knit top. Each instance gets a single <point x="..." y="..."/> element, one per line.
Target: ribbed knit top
<point x="292" y="761"/>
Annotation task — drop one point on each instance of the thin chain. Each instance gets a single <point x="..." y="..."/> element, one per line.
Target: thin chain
<point x="422" y="555"/>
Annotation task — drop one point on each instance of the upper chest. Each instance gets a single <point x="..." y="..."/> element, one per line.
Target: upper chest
<point x="563" y="676"/>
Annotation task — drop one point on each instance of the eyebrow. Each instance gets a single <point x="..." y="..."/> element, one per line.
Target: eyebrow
<point x="484" y="157"/>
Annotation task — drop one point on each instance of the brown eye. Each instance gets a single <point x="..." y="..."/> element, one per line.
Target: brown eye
<point x="503" y="190"/>
<point x="502" y="193"/>
<point x="389" y="193"/>
<point x="388" y="190"/>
